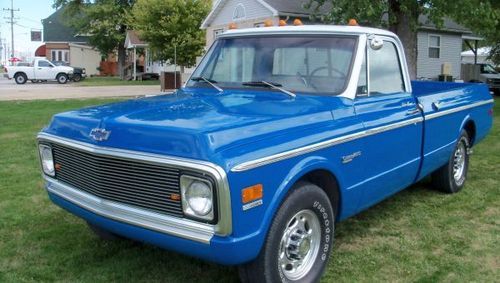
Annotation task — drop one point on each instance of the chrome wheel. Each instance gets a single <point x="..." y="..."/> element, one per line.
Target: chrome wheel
<point x="300" y="245"/>
<point x="459" y="162"/>
<point x="62" y="79"/>
<point x="20" y="79"/>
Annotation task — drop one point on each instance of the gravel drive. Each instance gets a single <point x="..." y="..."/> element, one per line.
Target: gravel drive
<point x="9" y="90"/>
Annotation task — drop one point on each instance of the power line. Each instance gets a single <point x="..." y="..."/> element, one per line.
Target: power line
<point x="28" y="19"/>
<point x="11" y="22"/>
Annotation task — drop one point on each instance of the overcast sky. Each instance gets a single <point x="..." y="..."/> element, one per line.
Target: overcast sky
<point x="29" y="17"/>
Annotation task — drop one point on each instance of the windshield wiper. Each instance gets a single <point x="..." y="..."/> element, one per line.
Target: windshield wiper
<point x="208" y="81"/>
<point x="271" y="85"/>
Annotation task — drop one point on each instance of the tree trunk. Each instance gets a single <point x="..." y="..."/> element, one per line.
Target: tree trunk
<point x="405" y="24"/>
<point x="121" y="60"/>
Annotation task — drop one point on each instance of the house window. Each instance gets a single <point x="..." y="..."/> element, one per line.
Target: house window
<point x="239" y="12"/>
<point x="60" y="55"/>
<point x="434" y="46"/>
<point x="218" y="32"/>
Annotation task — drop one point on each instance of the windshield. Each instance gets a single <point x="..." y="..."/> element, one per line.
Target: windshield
<point x="313" y="64"/>
<point x="488" y="69"/>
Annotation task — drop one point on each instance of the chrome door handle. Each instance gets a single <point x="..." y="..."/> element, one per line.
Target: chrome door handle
<point x="413" y="111"/>
<point x="436" y="105"/>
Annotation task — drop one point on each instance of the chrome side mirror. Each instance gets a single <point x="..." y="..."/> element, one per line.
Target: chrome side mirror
<point x="376" y="43"/>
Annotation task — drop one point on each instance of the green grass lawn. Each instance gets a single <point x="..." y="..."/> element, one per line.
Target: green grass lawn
<point x="112" y="81"/>
<point x="419" y="235"/>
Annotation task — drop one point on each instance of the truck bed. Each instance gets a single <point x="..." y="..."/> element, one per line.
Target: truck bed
<point x="422" y="88"/>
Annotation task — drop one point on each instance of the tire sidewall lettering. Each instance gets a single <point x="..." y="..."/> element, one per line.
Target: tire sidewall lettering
<point x="325" y="229"/>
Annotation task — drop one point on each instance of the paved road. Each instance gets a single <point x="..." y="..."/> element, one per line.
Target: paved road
<point x="9" y="90"/>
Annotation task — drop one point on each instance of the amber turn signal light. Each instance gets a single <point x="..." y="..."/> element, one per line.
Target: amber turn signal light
<point x="175" y="197"/>
<point x="252" y="193"/>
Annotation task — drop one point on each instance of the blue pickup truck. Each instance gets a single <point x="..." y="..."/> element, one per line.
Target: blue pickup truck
<point x="279" y="133"/>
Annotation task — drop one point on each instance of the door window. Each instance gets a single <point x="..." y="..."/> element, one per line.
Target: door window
<point x="386" y="76"/>
<point x="43" y="63"/>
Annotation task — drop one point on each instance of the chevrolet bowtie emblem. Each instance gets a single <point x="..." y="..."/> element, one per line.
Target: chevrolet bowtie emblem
<point x="99" y="134"/>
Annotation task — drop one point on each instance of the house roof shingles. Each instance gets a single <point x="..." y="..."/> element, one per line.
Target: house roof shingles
<point x="132" y="39"/>
<point x="55" y="30"/>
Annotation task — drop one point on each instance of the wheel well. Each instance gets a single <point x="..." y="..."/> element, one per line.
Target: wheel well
<point x="470" y="128"/>
<point x="19" y="73"/>
<point x="327" y="182"/>
<point x="61" y="74"/>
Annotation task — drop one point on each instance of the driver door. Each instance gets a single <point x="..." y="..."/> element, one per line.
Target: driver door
<point x="44" y="70"/>
<point x="393" y="123"/>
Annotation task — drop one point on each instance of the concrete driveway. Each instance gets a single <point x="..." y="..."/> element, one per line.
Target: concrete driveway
<point x="9" y="90"/>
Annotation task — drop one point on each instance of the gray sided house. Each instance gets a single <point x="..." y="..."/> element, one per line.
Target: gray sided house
<point x="436" y="46"/>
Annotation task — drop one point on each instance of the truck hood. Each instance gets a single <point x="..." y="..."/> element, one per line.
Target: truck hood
<point x="64" y="69"/>
<point x="196" y="123"/>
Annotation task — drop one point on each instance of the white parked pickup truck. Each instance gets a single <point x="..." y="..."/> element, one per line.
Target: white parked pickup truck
<point x="40" y="70"/>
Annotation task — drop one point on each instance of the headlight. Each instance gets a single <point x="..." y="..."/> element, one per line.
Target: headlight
<point x="197" y="198"/>
<point x="47" y="160"/>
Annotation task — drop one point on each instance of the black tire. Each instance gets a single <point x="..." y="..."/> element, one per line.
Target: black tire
<point x="62" y="78"/>
<point x="20" y="78"/>
<point x="77" y="77"/>
<point x="451" y="177"/>
<point x="283" y="239"/>
<point x="103" y="234"/>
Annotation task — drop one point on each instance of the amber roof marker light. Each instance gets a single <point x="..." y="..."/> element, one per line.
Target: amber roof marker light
<point x="297" y="22"/>
<point x="352" y="22"/>
<point x="282" y="23"/>
<point x="268" y="23"/>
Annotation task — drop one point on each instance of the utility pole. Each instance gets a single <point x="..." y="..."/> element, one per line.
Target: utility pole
<point x="11" y="22"/>
<point x="1" y="50"/>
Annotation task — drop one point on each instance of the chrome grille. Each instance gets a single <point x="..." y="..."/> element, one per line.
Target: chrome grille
<point x="132" y="182"/>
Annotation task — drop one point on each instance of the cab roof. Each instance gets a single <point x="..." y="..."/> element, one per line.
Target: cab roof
<point x="308" y="29"/>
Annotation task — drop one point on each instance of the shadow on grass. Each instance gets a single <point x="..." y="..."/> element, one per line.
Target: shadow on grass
<point x="148" y="263"/>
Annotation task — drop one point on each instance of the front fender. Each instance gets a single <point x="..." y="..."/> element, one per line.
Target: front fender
<point x="253" y="225"/>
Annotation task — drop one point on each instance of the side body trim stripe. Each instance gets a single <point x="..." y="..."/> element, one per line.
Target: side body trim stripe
<point x="343" y="139"/>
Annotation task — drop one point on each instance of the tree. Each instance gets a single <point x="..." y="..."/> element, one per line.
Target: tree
<point x="103" y="20"/>
<point x="401" y="16"/>
<point x="171" y="26"/>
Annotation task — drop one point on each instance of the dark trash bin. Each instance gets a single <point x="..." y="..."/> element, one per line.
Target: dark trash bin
<point x="445" y="78"/>
<point x="170" y="80"/>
